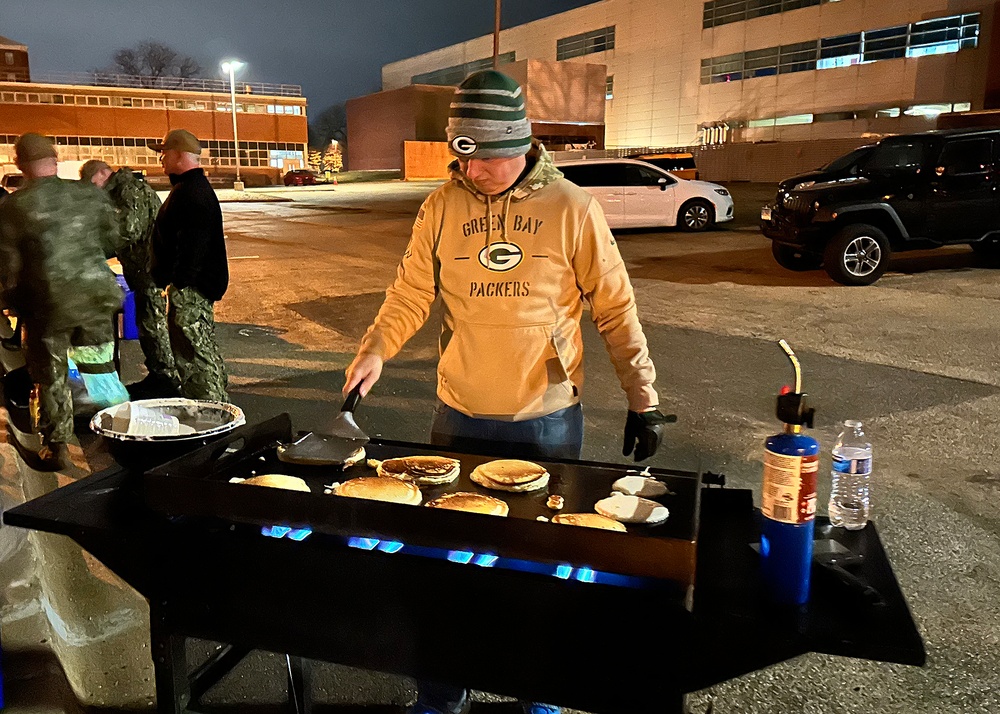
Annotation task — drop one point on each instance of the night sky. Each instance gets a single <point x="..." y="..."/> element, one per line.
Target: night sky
<point x="335" y="49"/>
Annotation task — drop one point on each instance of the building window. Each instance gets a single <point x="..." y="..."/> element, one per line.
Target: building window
<point x="937" y="36"/>
<point x="722" y="12"/>
<point x="609" y="87"/>
<point x="944" y="35"/>
<point x="586" y="43"/>
<point x="456" y="73"/>
<point x="8" y="57"/>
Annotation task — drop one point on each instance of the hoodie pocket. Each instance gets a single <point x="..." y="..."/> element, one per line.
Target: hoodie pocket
<point x="504" y="371"/>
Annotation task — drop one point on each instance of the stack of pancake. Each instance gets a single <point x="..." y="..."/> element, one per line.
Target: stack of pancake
<point x="425" y="470"/>
<point x="510" y="475"/>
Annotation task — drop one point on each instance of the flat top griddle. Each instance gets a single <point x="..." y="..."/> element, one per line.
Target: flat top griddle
<point x="199" y="484"/>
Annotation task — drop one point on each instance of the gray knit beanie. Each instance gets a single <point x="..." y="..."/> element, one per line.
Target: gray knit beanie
<point x="487" y="119"/>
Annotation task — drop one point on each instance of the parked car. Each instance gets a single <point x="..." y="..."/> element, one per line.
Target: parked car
<point x="635" y="194"/>
<point x="12" y="182"/>
<point x="914" y="191"/>
<point x="300" y="177"/>
<point x="680" y="164"/>
<point x="846" y="166"/>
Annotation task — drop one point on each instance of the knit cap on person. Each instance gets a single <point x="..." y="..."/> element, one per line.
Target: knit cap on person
<point x="33" y="147"/>
<point x="487" y="118"/>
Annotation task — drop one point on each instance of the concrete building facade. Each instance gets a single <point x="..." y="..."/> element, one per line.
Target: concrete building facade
<point x="690" y="72"/>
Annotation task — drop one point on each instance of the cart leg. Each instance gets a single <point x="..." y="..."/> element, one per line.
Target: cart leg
<point x="299" y="684"/>
<point x="173" y="691"/>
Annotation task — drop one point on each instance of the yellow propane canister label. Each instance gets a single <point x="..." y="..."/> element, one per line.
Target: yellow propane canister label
<point x="789" y="493"/>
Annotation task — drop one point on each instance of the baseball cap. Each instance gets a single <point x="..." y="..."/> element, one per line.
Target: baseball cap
<point x="180" y="139"/>
<point x="33" y="147"/>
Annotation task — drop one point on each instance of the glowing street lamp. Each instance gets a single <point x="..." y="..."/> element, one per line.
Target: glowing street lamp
<point x="230" y="67"/>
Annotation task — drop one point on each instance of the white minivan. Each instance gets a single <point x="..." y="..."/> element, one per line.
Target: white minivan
<point x="635" y="194"/>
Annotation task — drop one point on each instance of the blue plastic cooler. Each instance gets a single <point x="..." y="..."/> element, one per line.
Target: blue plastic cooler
<point x="130" y="328"/>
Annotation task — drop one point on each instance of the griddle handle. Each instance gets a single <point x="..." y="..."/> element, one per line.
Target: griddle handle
<point x="353" y="398"/>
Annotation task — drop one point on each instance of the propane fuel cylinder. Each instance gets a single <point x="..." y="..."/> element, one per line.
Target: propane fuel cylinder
<point x="788" y="500"/>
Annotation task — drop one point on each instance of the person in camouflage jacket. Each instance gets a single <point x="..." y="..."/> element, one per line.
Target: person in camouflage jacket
<point x="55" y="236"/>
<point x="137" y="205"/>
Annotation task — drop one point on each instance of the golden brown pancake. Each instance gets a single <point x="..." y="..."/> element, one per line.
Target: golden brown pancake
<point x="510" y="475"/>
<point x="423" y="469"/>
<point x="291" y="483"/>
<point x="471" y="503"/>
<point x="589" y="520"/>
<point x="376" y="488"/>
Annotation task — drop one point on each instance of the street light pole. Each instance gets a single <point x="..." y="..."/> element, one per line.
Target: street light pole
<point x="231" y="66"/>
<point x="496" y="34"/>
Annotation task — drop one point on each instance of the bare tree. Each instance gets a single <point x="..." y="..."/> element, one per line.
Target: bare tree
<point x="154" y="62"/>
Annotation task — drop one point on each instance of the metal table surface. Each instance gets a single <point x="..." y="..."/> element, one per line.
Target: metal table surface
<point x="590" y="646"/>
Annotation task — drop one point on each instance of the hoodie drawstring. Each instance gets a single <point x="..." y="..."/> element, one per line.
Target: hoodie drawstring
<point x="503" y="223"/>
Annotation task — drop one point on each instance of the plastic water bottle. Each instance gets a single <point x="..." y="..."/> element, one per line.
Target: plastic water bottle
<point x="850" y="473"/>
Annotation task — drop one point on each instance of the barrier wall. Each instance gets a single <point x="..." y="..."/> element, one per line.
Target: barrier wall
<point x="770" y="162"/>
<point x="426" y="160"/>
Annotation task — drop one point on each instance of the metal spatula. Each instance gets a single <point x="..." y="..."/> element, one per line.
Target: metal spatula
<point x="333" y="445"/>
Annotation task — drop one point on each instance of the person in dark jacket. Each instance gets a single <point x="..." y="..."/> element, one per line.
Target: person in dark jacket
<point x="189" y="262"/>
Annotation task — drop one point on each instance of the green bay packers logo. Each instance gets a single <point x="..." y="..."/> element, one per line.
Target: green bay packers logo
<point x="464" y="145"/>
<point x="500" y="257"/>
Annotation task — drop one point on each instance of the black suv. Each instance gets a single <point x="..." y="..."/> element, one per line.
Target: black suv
<point x="912" y="191"/>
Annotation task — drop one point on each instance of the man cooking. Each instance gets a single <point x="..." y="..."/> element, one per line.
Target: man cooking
<point x="513" y="249"/>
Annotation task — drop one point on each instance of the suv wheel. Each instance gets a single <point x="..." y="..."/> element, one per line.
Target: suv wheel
<point x="857" y="255"/>
<point x="696" y="215"/>
<point x="792" y="258"/>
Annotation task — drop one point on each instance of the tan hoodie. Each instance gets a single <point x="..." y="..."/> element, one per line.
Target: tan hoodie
<point x="511" y="271"/>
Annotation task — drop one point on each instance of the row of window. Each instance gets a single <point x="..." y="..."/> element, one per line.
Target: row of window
<point x="91" y="100"/>
<point x="125" y="141"/>
<point x="455" y="74"/>
<point x="586" y="43"/>
<point x="722" y="12"/>
<point x="916" y="110"/>
<point x="918" y="39"/>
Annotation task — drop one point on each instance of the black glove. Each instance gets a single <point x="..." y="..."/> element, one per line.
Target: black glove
<point x="644" y="432"/>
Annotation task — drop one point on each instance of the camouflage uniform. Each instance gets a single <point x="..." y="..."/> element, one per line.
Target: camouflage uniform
<point x="54" y="238"/>
<point x="137" y="205"/>
<point x="191" y="317"/>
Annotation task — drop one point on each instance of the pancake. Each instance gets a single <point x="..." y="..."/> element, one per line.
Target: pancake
<point x="291" y="483"/>
<point x="376" y="488"/>
<point x="632" y="509"/>
<point x="421" y="469"/>
<point x="589" y="520"/>
<point x="640" y="486"/>
<point x="471" y="503"/>
<point x="510" y="475"/>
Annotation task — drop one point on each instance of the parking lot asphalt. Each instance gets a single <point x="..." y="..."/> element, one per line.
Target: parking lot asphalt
<point x="912" y="356"/>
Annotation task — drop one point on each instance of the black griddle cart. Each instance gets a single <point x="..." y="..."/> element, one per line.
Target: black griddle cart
<point x="594" y="620"/>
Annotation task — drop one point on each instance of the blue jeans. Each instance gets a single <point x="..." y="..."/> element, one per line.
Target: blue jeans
<point x="558" y="435"/>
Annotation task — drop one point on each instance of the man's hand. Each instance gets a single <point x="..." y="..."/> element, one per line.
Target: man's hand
<point x="364" y="370"/>
<point x="644" y="432"/>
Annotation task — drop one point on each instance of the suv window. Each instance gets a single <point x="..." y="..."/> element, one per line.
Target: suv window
<point x="595" y="174"/>
<point x="849" y="161"/>
<point x="968" y="156"/>
<point x="642" y="176"/>
<point x="897" y="156"/>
